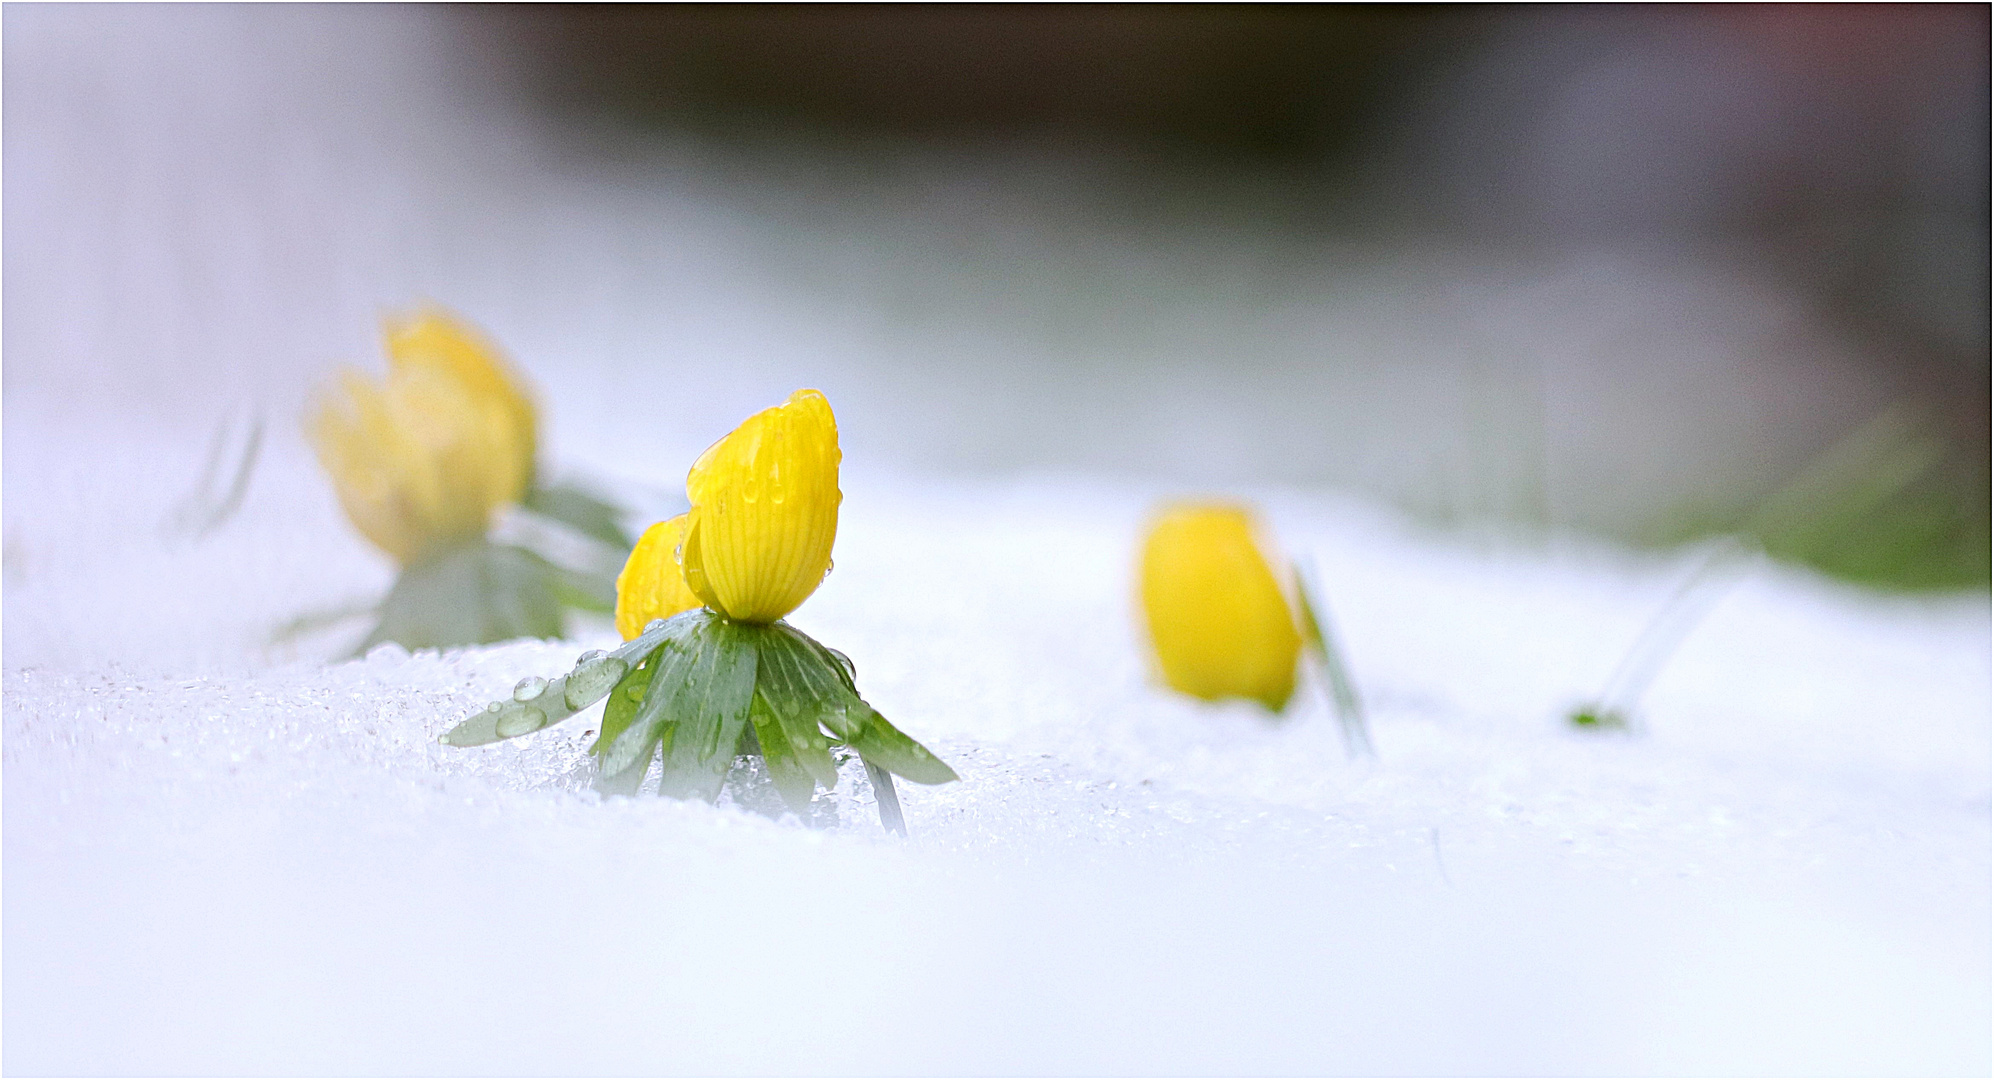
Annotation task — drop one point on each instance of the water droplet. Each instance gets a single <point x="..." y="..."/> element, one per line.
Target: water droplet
<point x="493" y="707"/>
<point x="829" y="565"/>
<point x="444" y="738"/>
<point x="654" y="626"/>
<point x="635" y="692"/>
<point x="595" y="677"/>
<point x="529" y="688"/>
<point x="801" y="742"/>
<point x="521" y="719"/>
<point x="588" y="656"/>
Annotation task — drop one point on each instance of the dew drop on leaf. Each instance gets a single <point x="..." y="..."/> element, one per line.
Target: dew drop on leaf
<point x="520" y="720"/>
<point x="595" y="677"/>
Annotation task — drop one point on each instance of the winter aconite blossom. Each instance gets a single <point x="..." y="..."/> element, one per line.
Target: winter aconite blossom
<point x="764" y="511"/>
<point x="432" y="340"/>
<point x="651" y="585"/>
<point x="1217" y="617"/>
<point x="423" y="460"/>
<point x="436" y="465"/>
<point x="709" y="671"/>
<point x="758" y="538"/>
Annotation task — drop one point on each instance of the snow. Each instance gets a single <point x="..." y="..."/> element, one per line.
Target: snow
<point x="222" y="857"/>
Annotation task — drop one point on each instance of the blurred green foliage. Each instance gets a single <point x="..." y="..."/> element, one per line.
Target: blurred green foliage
<point x="1897" y="504"/>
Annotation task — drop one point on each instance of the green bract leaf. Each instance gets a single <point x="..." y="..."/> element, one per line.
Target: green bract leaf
<point x="702" y="689"/>
<point x="816" y="682"/>
<point x="796" y="784"/>
<point x="471" y="594"/>
<point x="623" y="702"/>
<point x="583" y="510"/>
<point x="537" y="703"/>
<point x="883" y="744"/>
<point x="709" y="706"/>
<point x="796" y="689"/>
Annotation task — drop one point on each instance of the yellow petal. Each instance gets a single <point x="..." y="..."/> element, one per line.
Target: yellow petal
<point x="420" y="462"/>
<point x="651" y="585"/>
<point x="1218" y="620"/>
<point x="765" y="511"/>
<point x="434" y="340"/>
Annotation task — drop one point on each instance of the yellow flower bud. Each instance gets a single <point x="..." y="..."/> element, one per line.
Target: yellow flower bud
<point x="431" y="338"/>
<point x="423" y="460"/>
<point x="1218" y="620"/>
<point x="765" y="511"/>
<point x="651" y="585"/>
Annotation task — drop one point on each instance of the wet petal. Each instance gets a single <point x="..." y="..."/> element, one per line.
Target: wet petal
<point x="765" y="511"/>
<point x="434" y="340"/>
<point x="651" y="585"/>
<point x="1218" y="620"/>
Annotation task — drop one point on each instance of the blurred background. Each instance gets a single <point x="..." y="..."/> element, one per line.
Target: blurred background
<point x="1641" y="272"/>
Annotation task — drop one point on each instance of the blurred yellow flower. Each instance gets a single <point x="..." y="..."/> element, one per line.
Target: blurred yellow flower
<point x="1219" y="622"/>
<point x="431" y="339"/>
<point x="651" y="585"/>
<point x="423" y="460"/>
<point x="764" y="511"/>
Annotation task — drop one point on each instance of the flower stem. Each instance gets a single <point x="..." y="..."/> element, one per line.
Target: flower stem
<point x="1343" y="699"/>
<point x="889" y="799"/>
<point x="1664" y="633"/>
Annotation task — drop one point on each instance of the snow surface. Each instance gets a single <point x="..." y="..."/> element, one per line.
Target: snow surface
<point x="227" y="857"/>
<point x="224" y="856"/>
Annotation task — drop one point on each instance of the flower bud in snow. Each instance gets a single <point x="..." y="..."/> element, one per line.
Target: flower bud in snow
<point x="1218" y="620"/>
<point x="430" y="339"/>
<point x="423" y="460"/>
<point x="764" y="511"/>
<point x="651" y="585"/>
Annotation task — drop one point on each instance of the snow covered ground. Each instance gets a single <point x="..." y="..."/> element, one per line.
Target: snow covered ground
<point x="226" y="857"/>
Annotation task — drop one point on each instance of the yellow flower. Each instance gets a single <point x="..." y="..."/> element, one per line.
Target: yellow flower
<point x="423" y="460"/>
<point x="764" y="511"/>
<point x="432" y="339"/>
<point x="1220" y="624"/>
<point x="651" y="585"/>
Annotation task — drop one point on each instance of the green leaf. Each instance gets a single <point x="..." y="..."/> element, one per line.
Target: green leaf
<point x="1343" y="699"/>
<point x="582" y="510"/>
<point x="631" y="777"/>
<point x="815" y="682"/>
<point x="623" y="702"/>
<point x="790" y="681"/>
<point x="885" y="745"/>
<point x="617" y="716"/>
<point x="709" y="706"/>
<point x="652" y="725"/>
<point x="585" y="590"/>
<point x="793" y="782"/>
<point x="471" y="594"/>
<point x="596" y="674"/>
